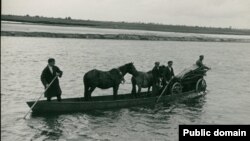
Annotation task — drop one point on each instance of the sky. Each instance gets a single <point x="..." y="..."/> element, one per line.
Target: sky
<point x="209" y="13"/>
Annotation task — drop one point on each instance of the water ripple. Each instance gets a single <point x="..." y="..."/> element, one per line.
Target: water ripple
<point x="24" y="58"/>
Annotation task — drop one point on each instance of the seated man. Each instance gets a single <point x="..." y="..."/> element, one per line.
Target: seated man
<point x="199" y="62"/>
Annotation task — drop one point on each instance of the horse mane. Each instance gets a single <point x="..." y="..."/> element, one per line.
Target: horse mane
<point x="125" y="65"/>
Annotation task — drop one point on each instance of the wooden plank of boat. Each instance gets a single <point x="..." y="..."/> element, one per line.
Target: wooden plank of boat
<point x="103" y="102"/>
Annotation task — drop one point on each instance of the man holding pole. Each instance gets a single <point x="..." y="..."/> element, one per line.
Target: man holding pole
<point x="168" y="76"/>
<point x="49" y="78"/>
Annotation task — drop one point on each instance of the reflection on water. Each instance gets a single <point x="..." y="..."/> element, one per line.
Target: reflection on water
<point x="22" y="60"/>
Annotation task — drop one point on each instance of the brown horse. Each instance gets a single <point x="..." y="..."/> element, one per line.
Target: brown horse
<point x="146" y="80"/>
<point x="106" y="79"/>
<point x="142" y="80"/>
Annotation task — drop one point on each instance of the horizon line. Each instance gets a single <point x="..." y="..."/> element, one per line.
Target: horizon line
<point x="130" y="22"/>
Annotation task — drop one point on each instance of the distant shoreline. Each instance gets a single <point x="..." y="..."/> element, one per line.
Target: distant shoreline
<point x="124" y="25"/>
<point x="119" y="37"/>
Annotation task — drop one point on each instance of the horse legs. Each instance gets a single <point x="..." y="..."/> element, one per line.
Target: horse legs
<point x="115" y="91"/>
<point x="86" y="91"/>
<point x="149" y="89"/>
<point x="90" y="92"/>
<point x="139" y="91"/>
<point x="86" y="88"/>
<point x="133" y="86"/>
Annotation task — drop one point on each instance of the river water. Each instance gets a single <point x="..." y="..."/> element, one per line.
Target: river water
<point x="23" y="59"/>
<point x="29" y="27"/>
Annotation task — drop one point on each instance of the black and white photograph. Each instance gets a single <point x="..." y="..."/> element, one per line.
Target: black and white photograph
<point x="124" y="70"/>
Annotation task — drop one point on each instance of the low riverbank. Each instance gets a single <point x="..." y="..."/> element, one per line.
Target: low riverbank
<point x="119" y="37"/>
<point x="124" y="25"/>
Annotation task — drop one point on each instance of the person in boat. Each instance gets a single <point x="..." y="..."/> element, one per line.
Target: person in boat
<point x="169" y="72"/>
<point x="48" y="74"/>
<point x="200" y="64"/>
<point x="156" y="77"/>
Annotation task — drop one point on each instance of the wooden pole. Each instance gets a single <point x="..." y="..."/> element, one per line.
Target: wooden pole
<point x="39" y="97"/>
<point x="163" y="91"/>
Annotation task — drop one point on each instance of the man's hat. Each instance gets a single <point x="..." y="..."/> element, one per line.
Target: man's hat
<point x="157" y="63"/>
<point x="51" y="60"/>
<point x="170" y="62"/>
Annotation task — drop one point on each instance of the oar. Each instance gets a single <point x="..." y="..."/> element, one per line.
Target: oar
<point x="163" y="91"/>
<point x="40" y="97"/>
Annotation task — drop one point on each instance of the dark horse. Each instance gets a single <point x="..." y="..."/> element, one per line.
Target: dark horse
<point x="106" y="79"/>
<point x="142" y="80"/>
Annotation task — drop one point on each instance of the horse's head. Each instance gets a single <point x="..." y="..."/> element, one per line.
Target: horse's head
<point x="130" y="68"/>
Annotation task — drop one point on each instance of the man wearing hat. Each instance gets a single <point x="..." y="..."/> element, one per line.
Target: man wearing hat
<point x="199" y="62"/>
<point x="49" y="73"/>
<point x="169" y="71"/>
<point x="156" y="77"/>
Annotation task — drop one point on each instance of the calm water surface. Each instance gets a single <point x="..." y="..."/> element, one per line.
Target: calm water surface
<point x="29" y="27"/>
<point x="22" y="60"/>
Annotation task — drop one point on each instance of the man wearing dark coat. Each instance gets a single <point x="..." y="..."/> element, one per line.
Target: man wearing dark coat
<point x="156" y="73"/>
<point x="169" y="71"/>
<point x="49" y="73"/>
<point x="156" y="78"/>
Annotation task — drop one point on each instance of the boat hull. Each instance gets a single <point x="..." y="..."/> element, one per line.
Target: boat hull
<point x="104" y="102"/>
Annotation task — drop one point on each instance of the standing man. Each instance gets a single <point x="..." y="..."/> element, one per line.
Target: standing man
<point x="199" y="62"/>
<point x="169" y="71"/>
<point x="49" y="73"/>
<point x="156" y="78"/>
<point x="167" y="76"/>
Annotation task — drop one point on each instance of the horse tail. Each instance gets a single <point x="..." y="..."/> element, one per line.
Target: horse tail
<point x="133" y="85"/>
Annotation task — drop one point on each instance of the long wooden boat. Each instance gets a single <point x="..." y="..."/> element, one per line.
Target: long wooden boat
<point x="104" y="102"/>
